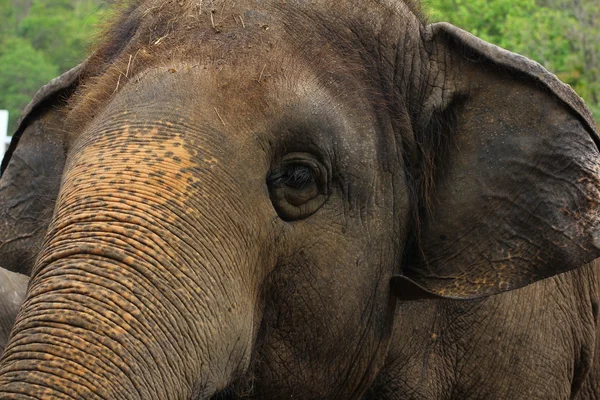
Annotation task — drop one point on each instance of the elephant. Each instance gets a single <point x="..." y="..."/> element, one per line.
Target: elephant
<point x="302" y="199"/>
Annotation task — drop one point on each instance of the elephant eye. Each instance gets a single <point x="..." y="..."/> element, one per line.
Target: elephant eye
<point x="297" y="186"/>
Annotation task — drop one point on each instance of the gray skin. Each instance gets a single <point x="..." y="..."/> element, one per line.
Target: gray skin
<point x="242" y="205"/>
<point x="538" y="342"/>
<point x="28" y="193"/>
<point x="12" y="293"/>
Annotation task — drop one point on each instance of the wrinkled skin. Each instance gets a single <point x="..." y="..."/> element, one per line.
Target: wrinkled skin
<point x="480" y="339"/>
<point x="12" y="293"/>
<point x="538" y="342"/>
<point x="246" y="189"/>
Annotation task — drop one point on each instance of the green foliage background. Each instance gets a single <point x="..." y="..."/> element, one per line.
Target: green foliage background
<point x="39" y="39"/>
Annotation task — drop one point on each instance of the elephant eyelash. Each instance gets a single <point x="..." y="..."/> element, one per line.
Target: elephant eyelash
<point x="296" y="176"/>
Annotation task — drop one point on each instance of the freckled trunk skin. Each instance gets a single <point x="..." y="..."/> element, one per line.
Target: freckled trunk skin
<point x="124" y="302"/>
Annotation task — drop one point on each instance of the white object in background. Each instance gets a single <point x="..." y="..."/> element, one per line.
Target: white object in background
<point x="4" y="132"/>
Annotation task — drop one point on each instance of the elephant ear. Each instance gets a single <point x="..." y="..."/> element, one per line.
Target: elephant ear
<point x="510" y="174"/>
<point x="12" y="293"/>
<point x="31" y="172"/>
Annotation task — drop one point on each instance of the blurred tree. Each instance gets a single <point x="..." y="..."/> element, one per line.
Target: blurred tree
<point x="39" y="39"/>
<point x="6" y="17"/>
<point x="587" y="35"/>
<point x="24" y="71"/>
<point x="61" y="29"/>
<point x="484" y="18"/>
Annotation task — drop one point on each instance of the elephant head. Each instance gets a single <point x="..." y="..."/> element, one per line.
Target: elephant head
<point x="248" y="187"/>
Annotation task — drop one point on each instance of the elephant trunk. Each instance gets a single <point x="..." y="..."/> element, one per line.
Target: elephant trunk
<point x="95" y="326"/>
<point x="135" y="294"/>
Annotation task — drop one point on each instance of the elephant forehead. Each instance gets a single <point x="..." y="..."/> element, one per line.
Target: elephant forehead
<point x="210" y="21"/>
<point x="233" y="97"/>
<point x="341" y="43"/>
<point x="198" y="107"/>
